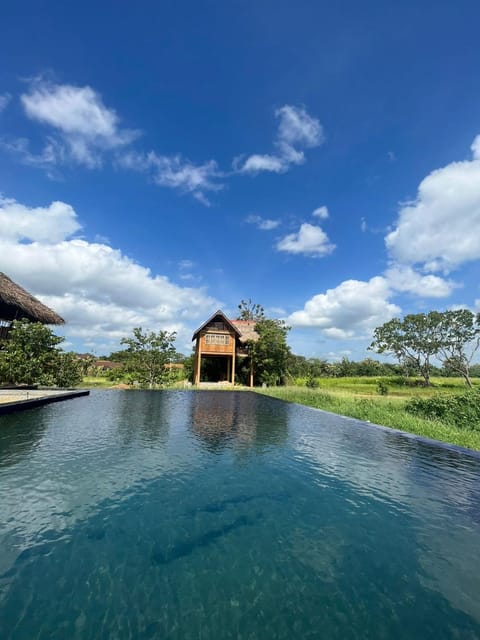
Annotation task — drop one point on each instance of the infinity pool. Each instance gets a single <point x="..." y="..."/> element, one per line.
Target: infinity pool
<point x="215" y="515"/>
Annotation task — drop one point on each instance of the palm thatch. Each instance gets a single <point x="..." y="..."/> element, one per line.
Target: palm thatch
<point x="16" y="303"/>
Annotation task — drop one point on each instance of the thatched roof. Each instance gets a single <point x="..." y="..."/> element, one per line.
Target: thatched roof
<point x="16" y="303"/>
<point x="246" y="328"/>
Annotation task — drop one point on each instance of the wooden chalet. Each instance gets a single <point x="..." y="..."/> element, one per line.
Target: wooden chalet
<point x="225" y="341"/>
<point x="17" y="304"/>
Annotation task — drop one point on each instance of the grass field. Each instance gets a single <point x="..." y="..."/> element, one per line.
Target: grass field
<point x="359" y="398"/>
<point x="93" y="382"/>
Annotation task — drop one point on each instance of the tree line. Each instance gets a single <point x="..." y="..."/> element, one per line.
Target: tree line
<point x="33" y="355"/>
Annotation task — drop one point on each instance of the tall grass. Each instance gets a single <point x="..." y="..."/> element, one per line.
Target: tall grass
<point x="382" y="410"/>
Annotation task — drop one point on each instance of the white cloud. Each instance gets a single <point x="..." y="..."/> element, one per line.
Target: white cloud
<point x="257" y="163"/>
<point x="47" y="225"/>
<point x="440" y="229"/>
<point x="309" y="240"/>
<point x="351" y="310"/>
<point x="101" y="293"/>
<point x="85" y="127"/>
<point x="403" y="278"/>
<point x="363" y="225"/>
<point x="321" y="212"/>
<point x="4" y="100"/>
<point x="476" y="148"/>
<point x="297" y="130"/>
<point x="53" y="153"/>
<point x="265" y="224"/>
<point x="175" y="172"/>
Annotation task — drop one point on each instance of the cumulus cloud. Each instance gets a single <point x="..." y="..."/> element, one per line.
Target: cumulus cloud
<point x="47" y="225"/>
<point x="404" y="279"/>
<point x="85" y="127"/>
<point x="265" y="224"/>
<point x="309" y="241"/>
<point x="354" y="308"/>
<point x="351" y="310"/>
<point x="440" y="229"/>
<point x="101" y="292"/>
<point x="297" y="130"/>
<point x="321" y="212"/>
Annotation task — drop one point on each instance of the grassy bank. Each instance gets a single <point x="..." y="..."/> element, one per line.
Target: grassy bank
<point x="360" y="400"/>
<point x="94" y="382"/>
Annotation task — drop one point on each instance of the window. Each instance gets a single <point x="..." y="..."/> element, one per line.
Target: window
<point x="217" y="338"/>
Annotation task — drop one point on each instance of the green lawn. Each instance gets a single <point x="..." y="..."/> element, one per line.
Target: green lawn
<point x="359" y="398"/>
<point x="92" y="382"/>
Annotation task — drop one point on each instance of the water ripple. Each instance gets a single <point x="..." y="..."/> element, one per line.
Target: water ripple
<point x="215" y="515"/>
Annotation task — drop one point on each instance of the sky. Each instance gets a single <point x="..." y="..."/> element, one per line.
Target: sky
<point x="161" y="160"/>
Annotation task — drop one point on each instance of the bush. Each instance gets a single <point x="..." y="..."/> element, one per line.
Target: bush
<point x="382" y="388"/>
<point x="312" y="383"/>
<point x="461" y="410"/>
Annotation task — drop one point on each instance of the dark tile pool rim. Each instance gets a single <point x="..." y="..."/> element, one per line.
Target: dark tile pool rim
<point x="39" y="401"/>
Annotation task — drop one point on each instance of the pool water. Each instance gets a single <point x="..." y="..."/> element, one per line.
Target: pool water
<point x="213" y="515"/>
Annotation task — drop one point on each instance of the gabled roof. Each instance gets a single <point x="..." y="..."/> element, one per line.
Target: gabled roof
<point x="17" y="303"/>
<point x="224" y="318"/>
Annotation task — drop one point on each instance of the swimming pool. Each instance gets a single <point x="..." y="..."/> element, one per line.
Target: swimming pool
<point x="183" y="514"/>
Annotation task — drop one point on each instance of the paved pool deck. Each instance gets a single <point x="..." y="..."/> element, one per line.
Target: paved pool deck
<point x="12" y="400"/>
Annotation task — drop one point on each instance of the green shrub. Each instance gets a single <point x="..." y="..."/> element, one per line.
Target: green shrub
<point x="312" y="383"/>
<point x="382" y="388"/>
<point x="461" y="410"/>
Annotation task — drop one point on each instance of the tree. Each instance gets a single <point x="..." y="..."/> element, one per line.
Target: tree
<point x="31" y="356"/>
<point x="414" y="341"/>
<point x="459" y="341"/>
<point x="68" y="370"/>
<point x="248" y="310"/>
<point x="147" y="356"/>
<point x="453" y="337"/>
<point x="270" y="352"/>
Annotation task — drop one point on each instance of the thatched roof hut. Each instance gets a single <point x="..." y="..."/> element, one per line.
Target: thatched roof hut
<point x="16" y="304"/>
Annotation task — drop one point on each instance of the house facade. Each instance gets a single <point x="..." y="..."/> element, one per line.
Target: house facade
<point x="221" y="342"/>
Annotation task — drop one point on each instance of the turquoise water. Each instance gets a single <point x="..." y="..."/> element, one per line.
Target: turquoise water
<point x="213" y="515"/>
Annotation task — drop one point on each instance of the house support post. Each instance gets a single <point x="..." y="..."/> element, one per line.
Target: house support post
<point x="232" y="379"/>
<point x="198" y="361"/>
<point x="251" y="372"/>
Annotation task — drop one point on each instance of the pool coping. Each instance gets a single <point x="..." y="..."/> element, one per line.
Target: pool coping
<point x="38" y="401"/>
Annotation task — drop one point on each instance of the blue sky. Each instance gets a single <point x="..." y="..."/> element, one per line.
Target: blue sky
<point x="161" y="160"/>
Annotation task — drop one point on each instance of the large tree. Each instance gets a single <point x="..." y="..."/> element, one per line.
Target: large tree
<point x="459" y="341"/>
<point x="452" y="337"/>
<point x="270" y="351"/>
<point x="31" y="355"/>
<point x="148" y="355"/>
<point x="414" y="341"/>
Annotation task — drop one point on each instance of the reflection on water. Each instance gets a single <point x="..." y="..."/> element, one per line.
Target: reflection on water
<point x="221" y="419"/>
<point x="231" y="515"/>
